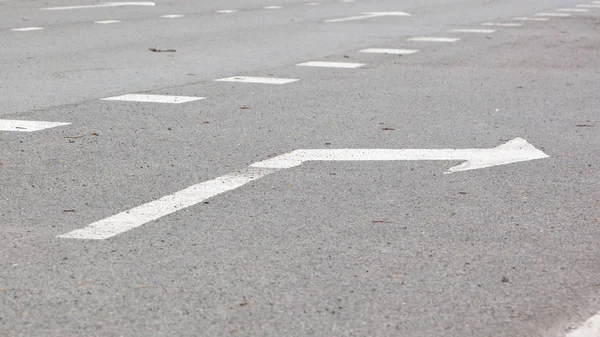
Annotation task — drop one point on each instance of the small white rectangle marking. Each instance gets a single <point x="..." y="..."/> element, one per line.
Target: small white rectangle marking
<point x="576" y="10"/>
<point x="263" y="80"/>
<point x="105" y="22"/>
<point x="389" y="51"/>
<point x="226" y="11"/>
<point x="331" y="64"/>
<point x="27" y="126"/>
<point x="502" y="24"/>
<point x="26" y="29"/>
<point x="531" y="19"/>
<point x="153" y="98"/>
<point x="433" y="39"/>
<point x="553" y="14"/>
<point x="591" y="328"/>
<point x="172" y="16"/>
<point x="468" y="30"/>
<point x="272" y="7"/>
<point x="312" y="4"/>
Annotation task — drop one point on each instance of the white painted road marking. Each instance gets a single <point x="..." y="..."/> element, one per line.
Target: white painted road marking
<point x="368" y="15"/>
<point x="516" y="150"/>
<point x="502" y="24"/>
<point x="27" y="126"/>
<point x="105" y="22"/>
<point x="389" y="51"/>
<point x="553" y="14"/>
<point x="576" y="10"/>
<point x="226" y="11"/>
<point x="591" y="328"/>
<point x="172" y="16"/>
<point x="153" y="98"/>
<point x="531" y="19"/>
<point x="588" y="6"/>
<point x="100" y="5"/>
<point x="272" y="7"/>
<point x="433" y="39"/>
<point x="331" y="64"/>
<point x="467" y="30"/>
<point x="312" y="4"/>
<point x="263" y="80"/>
<point x="26" y="29"/>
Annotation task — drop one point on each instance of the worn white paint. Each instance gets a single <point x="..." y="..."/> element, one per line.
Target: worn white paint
<point x="588" y="6"/>
<point x="153" y="98"/>
<point x="27" y="126"/>
<point x="433" y="39"/>
<point x="312" y="3"/>
<point x="591" y="328"/>
<point x="331" y="64"/>
<point x="27" y="29"/>
<point x="100" y="5"/>
<point x="575" y="10"/>
<point x="553" y="14"/>
<point x="502" y="24"/>
<point x="368" y="15"/>
<point x="516" y="150"/>
<point x="530" y="19"/>
<point x="105" y="22"/>
<point x="226" y="11"/>
<point x="389" y="51"/>
<point x="262" y="80"/>
<point x="468" y="30"/>
<point x="272" y="7"/>
<point x="172" y="16"/>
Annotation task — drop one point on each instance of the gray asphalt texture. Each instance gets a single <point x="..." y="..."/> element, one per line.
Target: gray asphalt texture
<point x="325" y="249"/>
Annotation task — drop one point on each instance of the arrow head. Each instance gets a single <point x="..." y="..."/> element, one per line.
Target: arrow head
<point x="513" y="151"/>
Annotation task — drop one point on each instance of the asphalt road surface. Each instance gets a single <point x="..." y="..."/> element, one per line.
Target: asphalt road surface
<point x="169" y="169"/>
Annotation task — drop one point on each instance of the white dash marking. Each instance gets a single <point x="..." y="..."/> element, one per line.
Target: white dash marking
<point x="105" y="22"/>
<point x="312" y="4"/>
<point x="368" y="15"/>
<point x="172" y="16"/>
<point x="153" y="98"/>
<point x="272" y="7"/>
<point x="27" y="126"/>
<point x="530" y="19"/>
<point x="263" y="80"/>
<point x="467" y="30"/>
<point x="26" y="29"/>
<point x="576" y="10"/>
<point x="591" y="328"/>
<point x="502" y="24"/>
<point x="105" y="4"/>
<point x="434" y="39"/>
<point x="553" y="14"/>
<point x="226" y="11"/>
<point x="331" y="64"/>
<point x="389" y="51"/>
<point x="588" y="6"/>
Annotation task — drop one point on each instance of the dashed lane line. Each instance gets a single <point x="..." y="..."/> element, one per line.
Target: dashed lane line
<point x="553" y="14"/>
<point x="226" y="11"/>
<point x="172" y="16"/>
<point x="105" y="22"/>
<point x="261" y="80"/>
<point x="468" y="30"/>
<point x="368" y="15"/>
<point x="105" y="4"/>
<point x="502" y="24"/>
<point x="588" y="6"/>
<point x="153" y="98"/>
<point x="27" y="29"/>
<point x="434" y="39"/>
<point x="331" y="64"/>
<point x="389" y="51"/>
<point x="531" y="19"/>
<point x="272" y="7"/>
<point x="27" y="126"/>
<point x="574" y="10"/>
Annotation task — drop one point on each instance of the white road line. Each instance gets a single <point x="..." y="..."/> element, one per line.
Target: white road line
<point x="153" y="98"/>
<point x="368" y="15"/>
<point x="553" y="14"/>
<point x="27" y="126"/>
<point x="467" y="30"/>
<point x="389" y="51"/>
<point x="330" y="64"/>
<point x="105" y="4"/>
<point x="591" y="328"/>
<point x="227" y="11"/>
<point x="26" y="29"/>
<point x="153" y="210"/>
<point x="588" y="6"/>
<point x="576" y="10"/>
<point x="347" y="1"/>
<point x="263" y="80"/>
<point x="312" y="3"/>
<point x="105" y="22"/>
<point x="502" y="24"/>
<point x="433" y="39"/>
<point x="516" y="150"/>
<point x="531" y="19"/>
<point x="272" y="7"/>
<point x="172" y="16"/>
